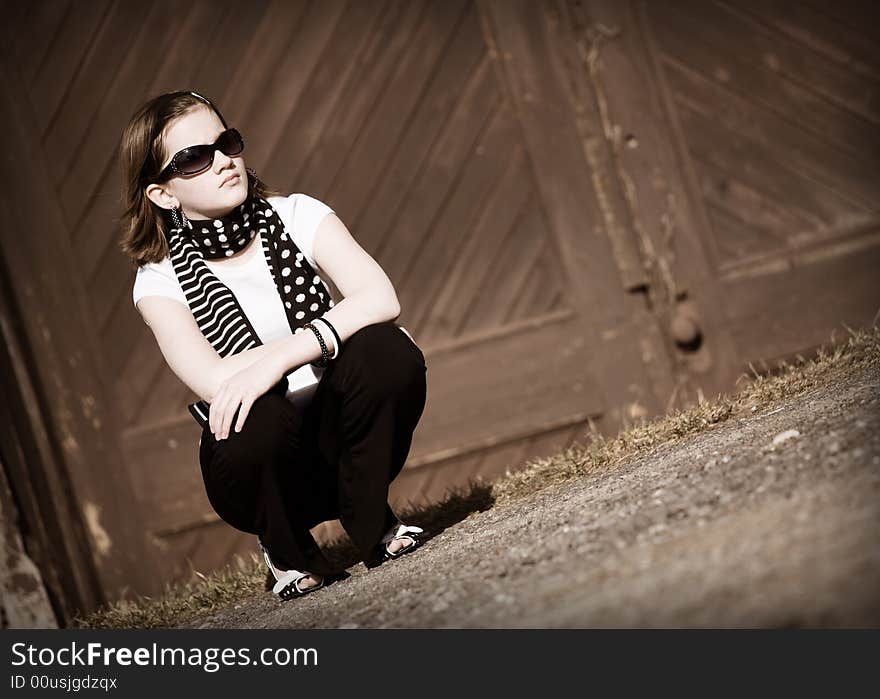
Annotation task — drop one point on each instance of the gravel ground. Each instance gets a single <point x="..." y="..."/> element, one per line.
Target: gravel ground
<point x="769" y="521"/>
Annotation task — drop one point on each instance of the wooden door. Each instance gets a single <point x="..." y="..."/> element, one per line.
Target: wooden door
<point x="774" y="108"/>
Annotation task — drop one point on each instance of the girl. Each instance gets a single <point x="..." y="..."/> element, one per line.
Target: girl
<point x="307" y="407"/>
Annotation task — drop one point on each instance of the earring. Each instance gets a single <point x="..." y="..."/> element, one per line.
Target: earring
<point x="179" y="218"/>
<point x="253" y="173"/>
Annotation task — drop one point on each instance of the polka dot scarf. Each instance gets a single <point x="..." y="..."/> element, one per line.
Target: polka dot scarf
<point x="217" y="312"/>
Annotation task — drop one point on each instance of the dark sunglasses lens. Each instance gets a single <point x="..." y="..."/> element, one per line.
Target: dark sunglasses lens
<point x="230" y="142"/>
<point x="195" y="159"/>
<point x="198" y="158"/>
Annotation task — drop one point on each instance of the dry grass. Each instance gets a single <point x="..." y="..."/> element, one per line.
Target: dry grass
<point x="762" y="390"/>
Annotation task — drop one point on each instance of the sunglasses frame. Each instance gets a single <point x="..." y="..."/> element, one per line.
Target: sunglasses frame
<point x="172" y="168"/>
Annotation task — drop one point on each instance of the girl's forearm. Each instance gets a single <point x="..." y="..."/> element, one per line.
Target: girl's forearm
<point x="293" y="351"/>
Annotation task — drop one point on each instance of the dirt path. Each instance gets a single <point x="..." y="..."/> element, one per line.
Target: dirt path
<point x="720" y="529"/>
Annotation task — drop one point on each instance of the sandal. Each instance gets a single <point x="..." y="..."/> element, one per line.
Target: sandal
<point x="287" y="581"/>
<point x="399" y="532"/>
<point x="288" y="587"/>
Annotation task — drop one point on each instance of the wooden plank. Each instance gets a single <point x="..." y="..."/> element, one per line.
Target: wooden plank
<point x="57" y="69"/>
<point x="522" y="46"/>
<point x="766" y="313"/>
<point x="290" y="71"/>
<point x="426" y="270"/>
<point x="459" y="289"/>
<point x="126" y="332"/>
<point x="644" y="153"/>
<point x="750" y="78"/>
<point x="282" y="29"/>
<point x="376" y="221"/>
<point x="164" y="470"/>
<point x="305" y="120"/>
<point x="512" y="266"/>
<point x="436" y="181"/>
<point x="58" y="331"/>
<point x="54" y="533"/>
<point x="733" y="33"/>
<point x="858" y="16"/>
<point x="64" y="137"/>
<point x="542" y="292"/>
<point x="809" y="26"/>
<point x="744" y="201"/>
<point x="472" y="395"/>
<point x="406" y="85"/>
<point x="778" y="135"/>
<point x="141" y="371"/>
<point x="738" y="239"/>
<point x="577" y="58"/>
<point x="34" y="32"/>
<point x="382" y="51"/>
<point x="757" y="150"/>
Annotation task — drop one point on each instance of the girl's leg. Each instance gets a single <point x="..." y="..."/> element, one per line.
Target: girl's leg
<point x="258" y="481"/>
<point x="370" y="400"/>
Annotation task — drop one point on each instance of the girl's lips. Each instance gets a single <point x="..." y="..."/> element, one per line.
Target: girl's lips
<point x="231" y="180"/>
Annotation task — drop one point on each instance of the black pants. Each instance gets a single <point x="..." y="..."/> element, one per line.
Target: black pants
<point x="291" y="468"/>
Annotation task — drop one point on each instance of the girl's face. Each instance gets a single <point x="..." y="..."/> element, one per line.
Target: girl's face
<point x="201" y="196"/>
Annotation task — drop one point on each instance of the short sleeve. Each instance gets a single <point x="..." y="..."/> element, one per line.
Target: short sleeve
<point x="308" y="213"/>
<point x="158" y="279"/>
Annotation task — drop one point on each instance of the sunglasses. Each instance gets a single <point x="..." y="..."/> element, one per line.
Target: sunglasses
<point x="196" y="159"/>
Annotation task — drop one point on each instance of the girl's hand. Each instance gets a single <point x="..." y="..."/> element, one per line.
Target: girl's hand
<point x="241" y="389"/>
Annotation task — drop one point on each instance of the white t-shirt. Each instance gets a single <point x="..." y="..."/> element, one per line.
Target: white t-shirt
<point x="250" y="279"/>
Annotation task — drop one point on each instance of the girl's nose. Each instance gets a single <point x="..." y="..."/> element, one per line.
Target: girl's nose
<point x="221" y="160"/>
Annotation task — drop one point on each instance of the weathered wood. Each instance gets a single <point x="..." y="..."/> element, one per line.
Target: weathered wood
<point x="57" y="328"/>
<point x="24" y="603"/>
<point x="526" y="53"/>
<point x="768" y="321"/>
<point x="53" y="532"/>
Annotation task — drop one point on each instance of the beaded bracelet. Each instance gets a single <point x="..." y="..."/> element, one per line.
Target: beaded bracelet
<point x="325" y="353"/>
<point x="335" y="336"/>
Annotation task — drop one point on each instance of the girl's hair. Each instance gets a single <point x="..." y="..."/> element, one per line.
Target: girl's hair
<point x="142" y="152"/>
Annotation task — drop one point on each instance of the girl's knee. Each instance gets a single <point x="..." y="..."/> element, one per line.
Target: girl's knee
<point x="386" y="357"/>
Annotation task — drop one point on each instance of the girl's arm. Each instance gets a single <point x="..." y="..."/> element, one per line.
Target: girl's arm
<point x="369" y="297"/>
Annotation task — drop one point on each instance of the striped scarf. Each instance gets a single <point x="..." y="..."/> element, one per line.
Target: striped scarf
<point x="216" y="310"/>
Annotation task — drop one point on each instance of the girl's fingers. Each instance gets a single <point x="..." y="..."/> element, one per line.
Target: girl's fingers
<point x="243" y="413"/>
<point x="229" y="414"/>
<point x="218" y="409"/>
<point x="213" y="412"/>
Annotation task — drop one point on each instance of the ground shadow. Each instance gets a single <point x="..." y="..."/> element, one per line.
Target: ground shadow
<point x="434" y="518"/>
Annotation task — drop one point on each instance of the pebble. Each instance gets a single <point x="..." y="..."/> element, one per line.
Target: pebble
<point x="784" y="436"/>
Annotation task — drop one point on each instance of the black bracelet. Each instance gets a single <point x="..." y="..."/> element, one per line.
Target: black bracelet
<point x="325" y="353"/>
<point x="335" y="336"/>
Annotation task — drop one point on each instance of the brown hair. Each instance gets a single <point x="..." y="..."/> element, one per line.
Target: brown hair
<point x="142" y="152"/>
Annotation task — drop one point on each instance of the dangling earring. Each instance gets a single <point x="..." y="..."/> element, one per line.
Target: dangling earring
<point x="253" y="173"/>
<point x="179" y="218"/>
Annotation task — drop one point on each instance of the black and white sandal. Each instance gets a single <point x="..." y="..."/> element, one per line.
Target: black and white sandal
<point x="288" y="587"/>
<point x="287" y="581"/>
<point x="399" y="532"/>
